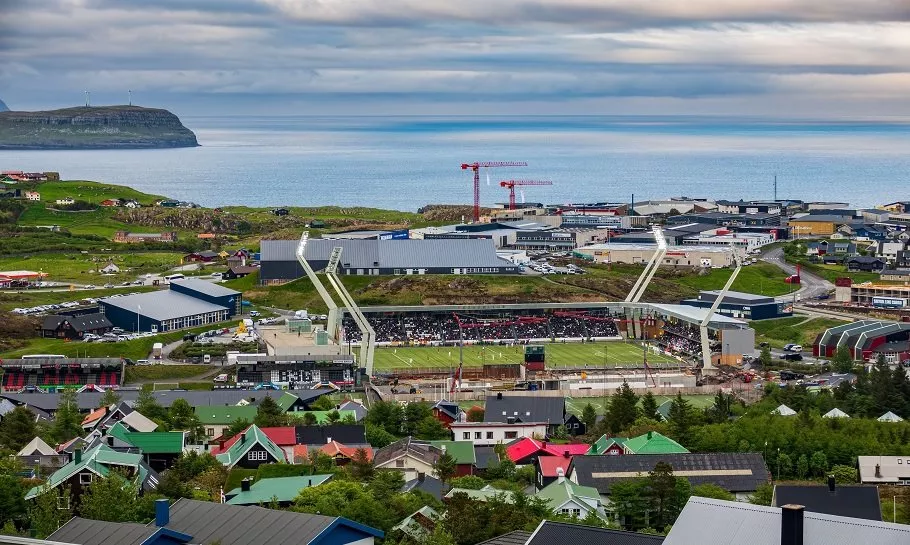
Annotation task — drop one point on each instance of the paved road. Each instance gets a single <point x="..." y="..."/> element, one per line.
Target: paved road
<point x="811" y="285"/>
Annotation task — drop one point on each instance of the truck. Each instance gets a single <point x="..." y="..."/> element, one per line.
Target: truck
<point x="156" y="350"/>
<point x="793" y="278"/>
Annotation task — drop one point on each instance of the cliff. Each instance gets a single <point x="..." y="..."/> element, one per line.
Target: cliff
<point x="104" y="127"/>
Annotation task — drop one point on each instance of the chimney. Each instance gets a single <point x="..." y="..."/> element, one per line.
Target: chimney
<point x="791" y="525"/>
<point x="421" y="476"/>
<point x="566" y="454"/>
<point x="831" y="483"/>
<point x="162" y="512"/>
<point x="221" y="444"/>
<point x="510" y="420"/>
<point x="110" y="440"/>
<point x="544" y="443"/>
<point x="328" y="440"/>
<point x="878" y="471"/>
<point x="245" y="485"/>
<point x="498" y="395"/>
<point x="243" y="437"/>
<point x="560" y="475"/>
<point x="442" y="448"/>
<point x="77" y="455"/>
<point x="649" y="435"/>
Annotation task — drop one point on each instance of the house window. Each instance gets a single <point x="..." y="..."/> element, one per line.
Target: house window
<point x="466" y="435"/>
<point x="85" y="478"/>
<point x="63" y="502"/>
<point x="257" y="456"/>
<point x="478" y="435"/>
<point x="399" y="463"/>
<point x="573" y="512"/>
<point x="511" y="434"/>
<point x="210" y="432"/>
<point x="489" y="435"/>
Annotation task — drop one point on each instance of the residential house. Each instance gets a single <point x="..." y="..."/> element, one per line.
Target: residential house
<point x="110" y="268"/>
<point x="902" y="259"/>
<point x="739" y="473"/>
<point x="204" y="256"/>
<point x="253" y="449"/>
<point x="131" y="204"/>
<point x="865" y="232"/>
<point x="408" y="456"/>
<point x="160" y="449"/>
<point x="238" y="272"/>
<point x="865" y="264"/>
<point x="426" y="484"/>
<point x="484" y="494"/>
<point x="110" y="202"/>
<point x="97" y="463"/>
<point x="548" y="468"/>
<point x="36" y="446"/>
<point x="296" y="402"/>
<point x="734" y="523"/>
<point x="340" y="454"/>
<point x="92" y="419"/>
<point x="285" y="437"/>
<point x="191" y="521"/>
<point x="462" y="452"/>
<point x="352" y="435"/>
<point x="218" y="418"/>
<point x="447" y="412"/>
<point x="574" y="425"/>
<point x="134" y="238"/>
<point x="351" y="405"/>
<point x="888" y="250"/>
<point x="896" y="275"/>
<point x="418" y="524"/>
<point x="493" y="433"/>
<point x="562" y="533"/>
<point x="65" y="201"/>
<point x="885" y="470"/>
<point x="75" y="327"/>
<point x="484" y="456"/>
<point x="32" y="196"/>
<point x="651" y="442"/>
<point x="525" y="450"/>
<point x="280" y="211"/>
<point x="282" y="490"/>
<point x="861" y="502"/>
<point x="568" y="498"/>
<point x="508" y="409"/>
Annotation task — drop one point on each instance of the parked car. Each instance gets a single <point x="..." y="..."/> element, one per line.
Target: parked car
<point x="793" y="357"/>
<point x="793" y="347"/>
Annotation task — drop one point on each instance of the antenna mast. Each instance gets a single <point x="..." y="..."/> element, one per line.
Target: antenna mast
<point x="775" y="188"/>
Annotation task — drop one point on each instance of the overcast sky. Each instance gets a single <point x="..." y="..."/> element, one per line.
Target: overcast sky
<point x="816" y="58"/>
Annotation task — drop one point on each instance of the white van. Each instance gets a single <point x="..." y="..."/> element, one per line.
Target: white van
<point x="221" y="378"/>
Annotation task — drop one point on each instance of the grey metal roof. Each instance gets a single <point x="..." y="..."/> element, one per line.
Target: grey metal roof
<point x="203" y="286"/>
<point x="517" y="537"/>
<point x="845" y="501"/>
<point x="411" y="253"/>
<point x="162" y="305"/>
<point x="83" y="322"/>
<point x="96" y="532"/>
<point x="735" y="297"/>
<point x="423" y="451"/>
<point x="734" y="472"/>
<point x="561" y="533"/>
<point x="716" y="522"/>
<point x="349" y="435"/>
<point x="91" y="400"/>
<point x="484" y="455"/>
<point x="542" y="409"/>
<point x="430" y="485"/>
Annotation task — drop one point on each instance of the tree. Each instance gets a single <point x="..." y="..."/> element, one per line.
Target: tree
<point x="50" y="511"/>
<point x="710" y="490"/>
<point x="439" y="536"/>
<point x="377" y="437"/>
<point x="322" y="403"/>
<point x="148" y="406"/>
<point x="476" y="414"/>
<point x="12" y="499"/>
<point x="321" y="462"/>
<point x="589" y="417"/>
<point x="431" y="429"/>
<point x="112" y="499"/>
<point x="309" y="419"/>
<point x="765" y="357"/>
<point x="723" y="406"/>
<point x="67" y="420"/>
<point x="17" y="428"/>
<point x="786" y="464"/>
<point x="843" y="360"/>
<point x="662" y="488"/>
<point x="333" y="417"/>
<point x="182" y="417"/>
<point x="110" y="397"/>
<point x="361" y="467"/>
<point x="212" y="481"/>
<point x="630" y="501"/>
<point x="844" y="474"/>
<point x="763" y="495"/>
<point x="237" y="426"/>
<point x="173" y="486"/>
<point x="649" y="406"/>
<point x="190" y="465"/>
<point x="681" y="419"/>
<point x="414" y="414"/>
<point x="269" y="414"/>
<point x="623" y="409"/>
<point x="818" y="463"/>
<point x="445" y="467"/>
<point x="802" y="466"/>
<point x="468" y="482"/>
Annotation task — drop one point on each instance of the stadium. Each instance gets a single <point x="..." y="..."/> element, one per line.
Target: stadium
<point x="51" y="373"/>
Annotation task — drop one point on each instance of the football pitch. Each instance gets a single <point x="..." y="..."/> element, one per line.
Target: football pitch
<point x="576" y="405"/>
<point x="557" y="355"/>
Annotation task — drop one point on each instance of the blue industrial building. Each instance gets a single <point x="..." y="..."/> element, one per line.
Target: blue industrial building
<point x="188" y="303"/>
<point x="747" y="306"/>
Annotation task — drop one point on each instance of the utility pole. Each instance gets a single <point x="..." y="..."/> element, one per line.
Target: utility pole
<point x="775" y="188"/>
<point x="130" y="92"/>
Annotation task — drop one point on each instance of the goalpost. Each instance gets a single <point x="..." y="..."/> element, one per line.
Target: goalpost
<point x="170" y="385"/>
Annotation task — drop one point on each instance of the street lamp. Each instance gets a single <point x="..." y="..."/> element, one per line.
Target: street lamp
<point x="778" y="463"/>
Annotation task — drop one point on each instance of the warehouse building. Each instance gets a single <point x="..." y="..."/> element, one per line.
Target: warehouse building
<point x="876" y="295"/>
<point x="866" y="339"/>
<point x="676" y="256"/>
<point x="189" y="303"/>
<point x="747" y="306"/>
<point x="383" y="257"/>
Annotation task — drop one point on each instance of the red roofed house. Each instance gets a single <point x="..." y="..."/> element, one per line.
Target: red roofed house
<point x="341" y="454"/>
<point x="547" y="469"/>
<point x="526" y="450"/>
<point x="447" y="412"/>
<point x="284" y="437"/>
<point x="110" y="202"/>
<point x="93" y="418"/>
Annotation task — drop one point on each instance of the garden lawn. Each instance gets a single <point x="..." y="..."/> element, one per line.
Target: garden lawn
<point x="76" y="266"/>
<point x="798" y="330"/>
<point x="145" y="373"/>
<point x="760" y="279"/>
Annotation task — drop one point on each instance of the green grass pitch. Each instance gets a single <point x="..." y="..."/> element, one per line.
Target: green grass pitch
<point x="557" y="355"/>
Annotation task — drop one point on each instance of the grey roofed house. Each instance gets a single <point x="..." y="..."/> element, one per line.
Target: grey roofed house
<point x="860" y="502"/>
<point x="516" y="537"/>
<point x="349" y="435"/>
<point x="484" y="456"/>
<point x="360" y="412"/>
<point x="425" y="483"/>
<point x="562" y="533"/>
<point x="83" y="322"/>
<point x="422" y="451"/>
<point x="705" y="521"/>
<point x="735" y="472"/>
<point x="884" y="469"/>
<point x="91" y="400"/>
<point x="6" y="407"/>
<point x="94" y="532"/>
<point x="162" y="305"/>
<point x="207" y="288"/>
<point x="499" y="408"/>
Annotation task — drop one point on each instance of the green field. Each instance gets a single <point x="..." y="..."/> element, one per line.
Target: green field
<point x="575" y="405"/>
<point x="759" y="278"/>
<point x="557" y="355"/>
<point x="798" y="329"/>
<point x="76" y="266"/>
<point x="33" y="298"/>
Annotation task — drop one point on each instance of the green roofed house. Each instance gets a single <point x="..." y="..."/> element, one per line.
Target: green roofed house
<point x="419" y="523"/>
<point x="96" y="463"/>
<point x="159" y="448"/>
<point x="218" y="418"/>
<point x="462" y="452"/>
<point x="322" y="417"/>
<point x="568" y="498"/>
<point x="647" y="443"/>
<point x="280" y="489"/>
<point x="486" y="493"/>
<point x="607" y="445"/>
<point x="253" y="449"/>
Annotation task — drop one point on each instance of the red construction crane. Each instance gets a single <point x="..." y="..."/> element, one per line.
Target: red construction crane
<point x="512" y="183"/>
<point x="475" y="167"/>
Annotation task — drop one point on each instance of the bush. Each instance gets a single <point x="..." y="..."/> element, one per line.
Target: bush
<point x="470" y="482"/>
<point x="268" y="471"/>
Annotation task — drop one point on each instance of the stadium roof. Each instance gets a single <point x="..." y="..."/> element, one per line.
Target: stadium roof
<point x="697" y="314"/>
<point x="162" y="305"/>
<point x="208" y="288"/>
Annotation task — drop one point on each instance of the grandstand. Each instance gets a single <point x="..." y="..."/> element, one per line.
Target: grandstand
<point x="50" y="374"/>
<point x="294" y="372"/>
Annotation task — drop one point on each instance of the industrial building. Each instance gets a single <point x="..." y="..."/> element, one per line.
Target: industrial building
<point x="747" y="306"/>
<point x="866" y="340"/>
<point x="676" y="256"/>
<point x="877" y="295"/>
<point x="188" y="303"/>
<point x="383" y="257"/>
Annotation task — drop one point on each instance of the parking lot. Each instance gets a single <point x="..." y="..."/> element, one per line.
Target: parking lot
<point x="540" y="263"/>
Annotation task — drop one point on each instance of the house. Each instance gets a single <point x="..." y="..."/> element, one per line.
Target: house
<point x="110" y="202"/>
<point x="205" y="236"/>
<point x="493" y="433"/>
<point x="97" y="463"/>
<point x="462" y="452"/>
<point x="65" y="201"/>
<point x="340" y="454"/>
<point x="160" y="449"/>
<point x="110" y="268"/>
<point x="525" y="450"/>
<point x="131" y="204"/>
<point x="484" y="494"/>
<point x="75" y="327"/>
<point x="283" y="490"/>
<point x="651" y="442"/>
<point x="238" y="272"/>
<point x="408" y="456"/>
<point x="204" y="256"/>
<point x="352" y="435"/>
<point x="418" y="524"/>
<point x="738" y="473"/>
<point x="356" y="407"/>
<point x="285" y="437"/>
<point x="426" y="484"/>
<point x="484" y="456"/>
<point x="135" y="238"/>
<point x="32" y="196"/>
<point x="192" y="521"/>
<point x="896" y="275"/>
<point x="508" y="409"/>
<point x="447" y="412"/>
<point x="562" y="533"/>
<point x="280" y="211"/>
<point x="217" y="418"/>
<point x="735" y="523"/>
<point x="861" y="502"/>
<point x="865" y="264"/>
<point x="568" y="498"/>
<point x="36" y="447"/>
<point x="548" y="468"/>
<point x="252" y="450"/>
<point x="889" y="250"/>
<point x="893" y="470"/>
<point x="835" y="413"/>
<point x="574" y="425"/>
<point x="92" y="419"/>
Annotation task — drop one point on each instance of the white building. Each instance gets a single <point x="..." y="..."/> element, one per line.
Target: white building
<point x="492" y="433"/>
<point x="676" y="256"/>
<point x="745" y="242"/>
<point x="32" y="196"/>
<point x="65" y="201"/>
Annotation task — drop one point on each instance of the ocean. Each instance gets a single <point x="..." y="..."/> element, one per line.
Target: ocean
<point x="404" y="163"/>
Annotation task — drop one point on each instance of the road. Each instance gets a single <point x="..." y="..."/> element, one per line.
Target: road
<point x="811" y="285"/>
